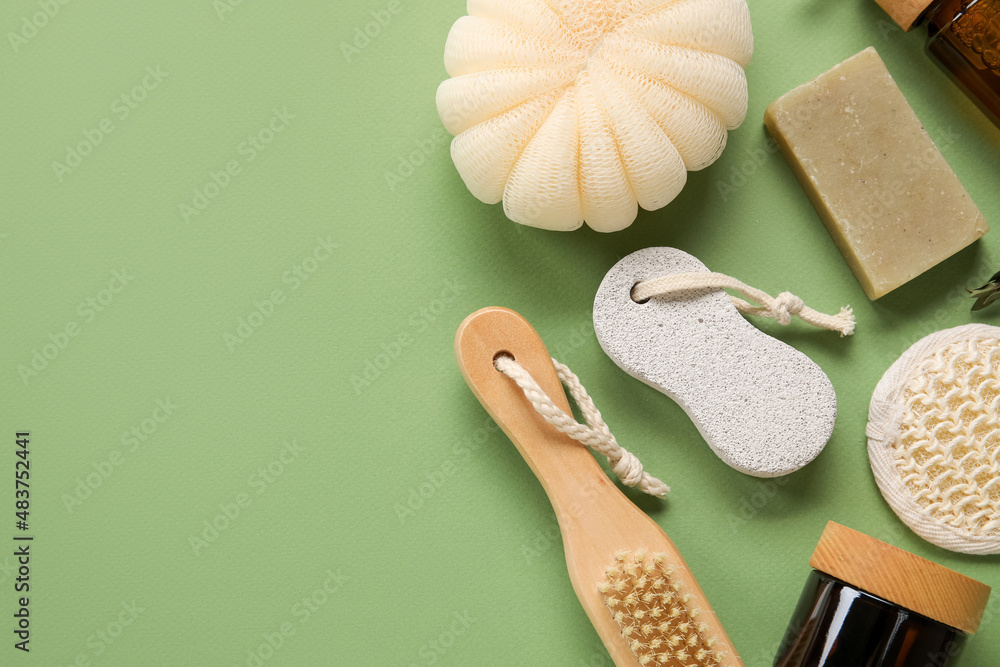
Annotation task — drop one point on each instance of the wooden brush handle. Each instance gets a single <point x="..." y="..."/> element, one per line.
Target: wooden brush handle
<point x="595" y="517"/>
<point x="562" y="465"/>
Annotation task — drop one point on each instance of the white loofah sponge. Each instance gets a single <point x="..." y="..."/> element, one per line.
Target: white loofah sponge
<point x="583" y="110"/>
<point x="934" y="438"/>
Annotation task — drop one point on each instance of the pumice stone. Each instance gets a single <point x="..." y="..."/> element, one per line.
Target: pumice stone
<point x="763" y="407"/>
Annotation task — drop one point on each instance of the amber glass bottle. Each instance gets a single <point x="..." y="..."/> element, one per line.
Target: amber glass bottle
<point x="964" y="38"/>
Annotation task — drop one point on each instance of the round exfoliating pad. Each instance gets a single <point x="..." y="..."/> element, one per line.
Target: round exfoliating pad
<point x="934" y="438"/>
<point x="763" y="407"/>
<point x="583" y="110"/>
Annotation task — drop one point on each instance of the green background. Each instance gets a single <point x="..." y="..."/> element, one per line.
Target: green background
<point x="413" y="525"/>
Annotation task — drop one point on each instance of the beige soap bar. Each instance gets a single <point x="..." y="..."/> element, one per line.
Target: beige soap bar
<point x="890" y="201"/>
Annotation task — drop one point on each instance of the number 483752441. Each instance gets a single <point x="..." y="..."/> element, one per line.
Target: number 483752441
<point x="21" y="475"/>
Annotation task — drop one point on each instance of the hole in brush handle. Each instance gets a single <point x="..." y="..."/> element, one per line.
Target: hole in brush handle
<point x="502" y="354"/>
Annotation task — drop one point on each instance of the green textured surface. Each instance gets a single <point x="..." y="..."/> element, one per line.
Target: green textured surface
<point x="480" y="553"/>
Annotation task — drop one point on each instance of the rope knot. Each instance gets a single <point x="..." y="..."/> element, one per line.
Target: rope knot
<point x="785" y="306"/>
<point x="627" y="468"/>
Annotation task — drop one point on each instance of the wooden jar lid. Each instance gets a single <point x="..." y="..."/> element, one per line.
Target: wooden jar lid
<point x="905" y="12"/>
<point x="900" y="577"/>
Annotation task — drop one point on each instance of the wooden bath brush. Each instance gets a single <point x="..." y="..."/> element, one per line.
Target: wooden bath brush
<point x="633" y="584"/>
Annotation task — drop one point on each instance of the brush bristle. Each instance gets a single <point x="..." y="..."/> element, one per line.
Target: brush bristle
<point x="655" y="614"/>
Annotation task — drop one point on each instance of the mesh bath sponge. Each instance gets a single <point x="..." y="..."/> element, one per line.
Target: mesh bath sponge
<point x="584" y="110"/>
<point x="934" y="438"/>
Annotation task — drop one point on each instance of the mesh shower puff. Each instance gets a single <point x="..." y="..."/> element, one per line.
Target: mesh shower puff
<point x="584" y="110"/>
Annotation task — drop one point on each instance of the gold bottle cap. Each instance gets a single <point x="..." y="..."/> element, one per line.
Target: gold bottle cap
<point x="900" y="577"/>
<point x="904" y="12"/>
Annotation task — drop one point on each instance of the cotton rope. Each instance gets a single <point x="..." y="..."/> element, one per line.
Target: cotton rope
<point x="781" y="308"/>
<point x="594" y="434"/>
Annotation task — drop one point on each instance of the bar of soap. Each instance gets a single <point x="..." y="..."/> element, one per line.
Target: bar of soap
<point x="882" y="188"/>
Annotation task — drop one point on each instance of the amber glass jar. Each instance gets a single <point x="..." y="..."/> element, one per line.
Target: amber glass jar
<point x="964" y="38"/>
<point x="838" y="625"/>
<point x="869" y="604"/>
